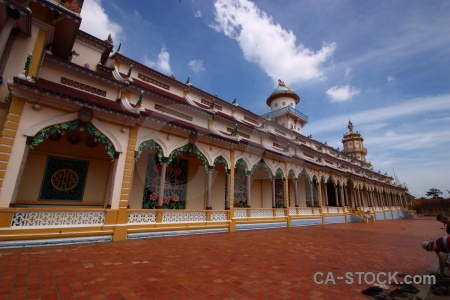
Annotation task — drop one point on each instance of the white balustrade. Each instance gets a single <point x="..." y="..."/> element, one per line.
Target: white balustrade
<point x="142" y="217"/>
<point x="261" y="213"/>
<point x="57" y="218"/>
<point x="218" y="216"/>
<point x="183" y="216"/>
<point x="240" y="213"/>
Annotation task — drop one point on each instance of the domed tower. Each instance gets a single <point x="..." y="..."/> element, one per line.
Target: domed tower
<point x="353" y="144"/>
<point x="282" y="102"/>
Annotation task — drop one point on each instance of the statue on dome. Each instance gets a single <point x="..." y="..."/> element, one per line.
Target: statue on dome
<point x="350" y="126"/>
<point x="281" y="83"/>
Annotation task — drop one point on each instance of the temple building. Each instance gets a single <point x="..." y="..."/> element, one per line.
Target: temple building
<point x="95" y="145"/>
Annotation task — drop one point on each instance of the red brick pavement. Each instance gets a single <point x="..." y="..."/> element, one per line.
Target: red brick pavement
<point x="257" y="264"/>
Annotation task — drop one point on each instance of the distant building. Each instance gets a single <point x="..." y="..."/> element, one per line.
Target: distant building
<point x="95" y="144"/>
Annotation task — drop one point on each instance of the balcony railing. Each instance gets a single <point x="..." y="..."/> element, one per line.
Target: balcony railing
<point x="284" y="110"/>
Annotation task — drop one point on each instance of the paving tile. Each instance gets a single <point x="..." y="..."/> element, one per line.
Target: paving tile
<point x="255" y="264"/>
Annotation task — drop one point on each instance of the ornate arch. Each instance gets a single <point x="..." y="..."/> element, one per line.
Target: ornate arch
<point x="189" y="148"/>
<point x="221" y="160"/>
<point x="264" y="166"/>
<point x="152" y="145"/>
<point x="62" y="128"/>
<point x="64" y="119"/>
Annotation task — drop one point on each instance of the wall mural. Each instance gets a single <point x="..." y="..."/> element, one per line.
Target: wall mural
<point x="64" y="179"/>
<point x="175" y="184"/>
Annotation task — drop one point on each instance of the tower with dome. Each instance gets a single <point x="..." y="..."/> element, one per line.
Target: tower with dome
<point x="283" y="102"/>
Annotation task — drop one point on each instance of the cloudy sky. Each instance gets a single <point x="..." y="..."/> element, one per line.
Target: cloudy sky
<point x="383" y="64"/>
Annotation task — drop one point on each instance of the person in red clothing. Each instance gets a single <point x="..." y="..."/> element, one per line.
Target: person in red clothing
<point x="441" y="246"/>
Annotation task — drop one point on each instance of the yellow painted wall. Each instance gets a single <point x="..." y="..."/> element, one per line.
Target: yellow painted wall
<point x="218" y="188"/>
<point x="255" y="193"/>
<point x="98" y="171"/>
<point x="196" y="185"/>
<point x="95" y="186"/>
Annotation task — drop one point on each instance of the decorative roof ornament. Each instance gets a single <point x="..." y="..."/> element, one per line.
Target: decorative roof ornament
<point x="286" y="149"/>
<point x="235" y="131"/>
<point x="350" y="126"/>
<point x="172" y="76"/>
<point x="212" y="104"/>
<point x="188" y="81"/>
<point x="118" y="49"/>
<point x="26" y="69"/>
<point x="27" y="4"/>
<point x="235" y="102"/>
<point x="110" y="41"/>
<point x="129" y="71"/>
<point x="139" y="103"/>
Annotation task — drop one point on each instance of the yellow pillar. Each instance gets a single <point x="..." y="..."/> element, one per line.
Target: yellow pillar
<point x="9" y="133"/>
<point x="120" y="232"/>
<point x="232" y="227"/>
<point x="286" y="196"/>
<point x="37" y="53"/>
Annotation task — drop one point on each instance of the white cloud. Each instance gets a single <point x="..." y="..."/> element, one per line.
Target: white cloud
<point x="266" y="43"/>
<point x="416" y="106"/>
<point x="198" y="14"/>
<point x="196" y="66"/>
<point x="390" y="78"/>
<point x="348" y="70"/>
<point x="342" y="93"/>
<point x="162" y="64"/>
<point x="96" y="22"/>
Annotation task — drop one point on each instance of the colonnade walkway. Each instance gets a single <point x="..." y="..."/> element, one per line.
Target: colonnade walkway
<point x="280" y="263"/>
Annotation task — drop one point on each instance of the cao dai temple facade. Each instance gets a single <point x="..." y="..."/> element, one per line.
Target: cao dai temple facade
<point x="97" y="145"/>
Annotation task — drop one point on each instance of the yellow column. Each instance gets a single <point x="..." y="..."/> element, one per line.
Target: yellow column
<point x="9" y="133"/>
<point x="120" y="232"/>
<point x="37" y="53"/>
<point x="319" y="189"/>
<point x="286" y="196"/>
<point x="231" y="194"/>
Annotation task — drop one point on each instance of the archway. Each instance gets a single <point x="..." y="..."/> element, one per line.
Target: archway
<point x="261" y="187"/>
<point x="73" y="160"/>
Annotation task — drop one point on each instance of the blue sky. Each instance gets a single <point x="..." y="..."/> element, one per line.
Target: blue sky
<point x="386" y="64"/>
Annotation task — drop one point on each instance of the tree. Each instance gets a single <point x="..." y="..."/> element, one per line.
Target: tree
<point x="434" y="193"/>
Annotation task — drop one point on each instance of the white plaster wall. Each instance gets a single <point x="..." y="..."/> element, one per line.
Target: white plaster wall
<point x="49" y="73"/>
<point x="88" y="55"/>
<point x="278" y="103"/>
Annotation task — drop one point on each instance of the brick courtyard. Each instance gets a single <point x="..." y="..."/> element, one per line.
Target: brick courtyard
<point x="256" y="264"/>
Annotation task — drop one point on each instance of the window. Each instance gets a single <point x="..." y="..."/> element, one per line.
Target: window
<point x="284" y="103"/>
